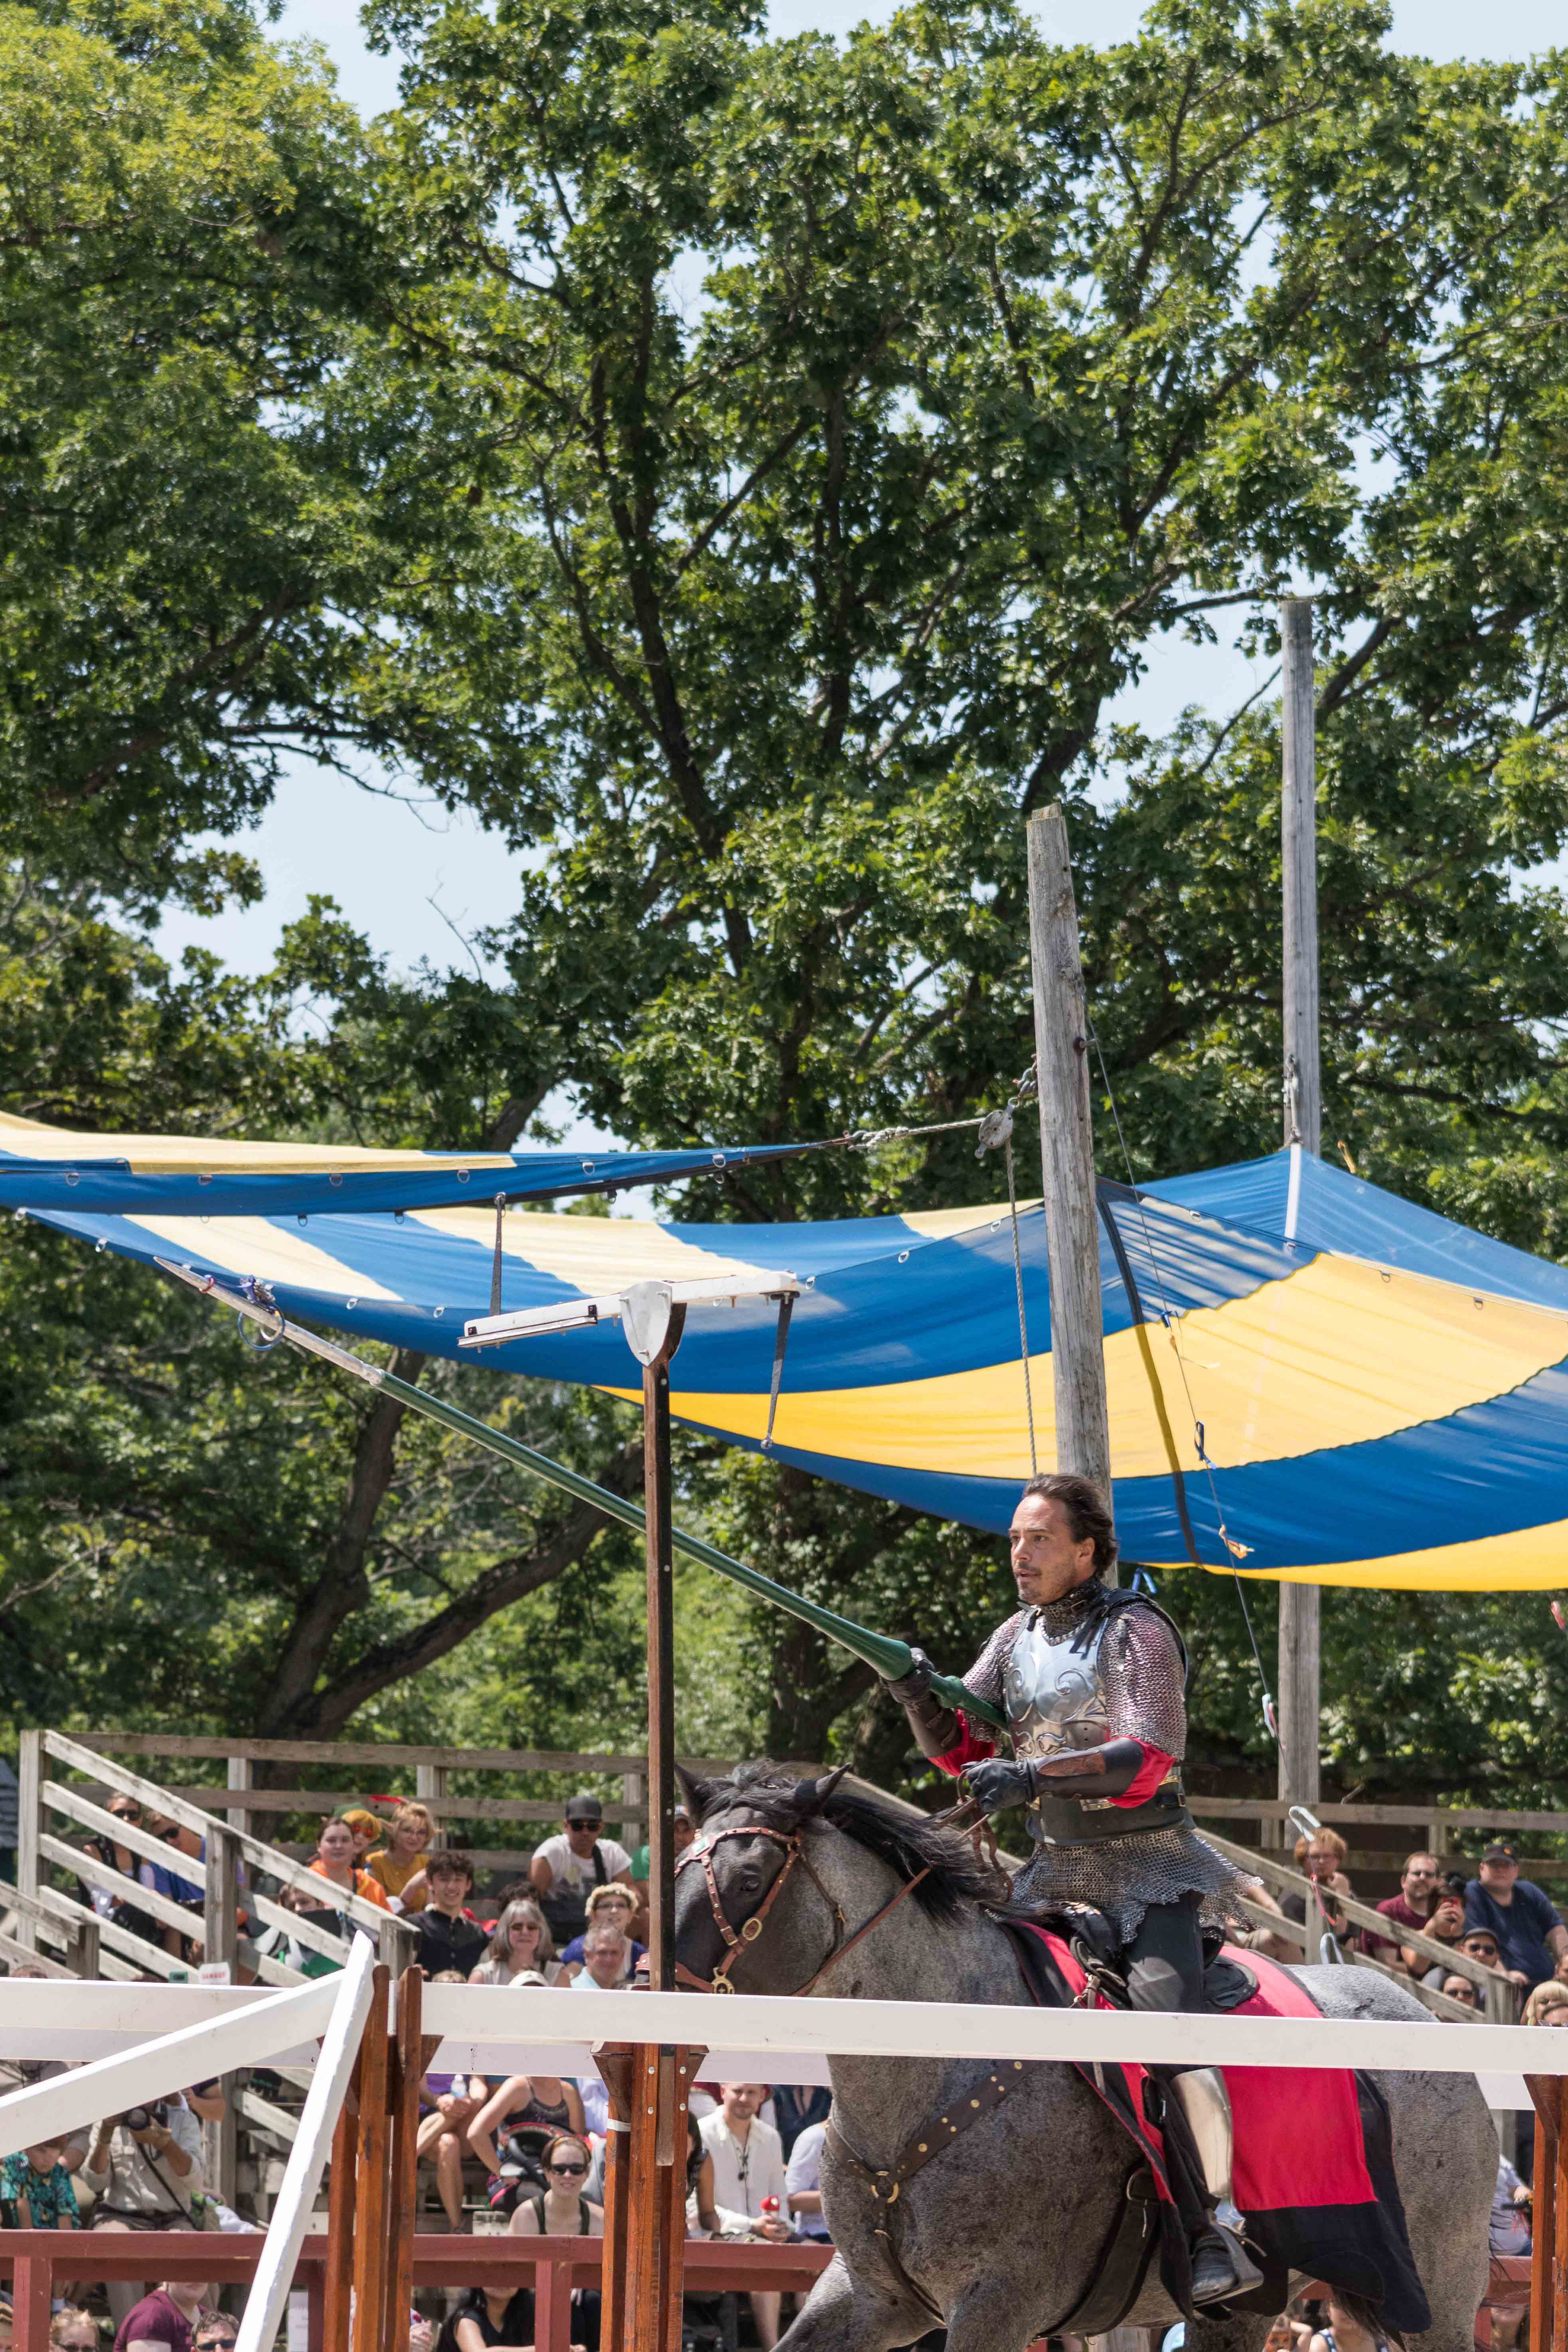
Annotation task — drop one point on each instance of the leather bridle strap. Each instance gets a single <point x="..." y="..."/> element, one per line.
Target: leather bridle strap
<point x="751" y="1928"/>
<point x="841" y="1952"/>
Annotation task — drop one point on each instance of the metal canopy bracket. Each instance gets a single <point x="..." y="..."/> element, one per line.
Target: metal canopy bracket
<point x="571" y="1315"/>
<point x="647" y="1311"/>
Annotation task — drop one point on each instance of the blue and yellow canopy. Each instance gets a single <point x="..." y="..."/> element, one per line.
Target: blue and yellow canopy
<point x="47" y="1168"/>
<point x="1380" y="1397"/>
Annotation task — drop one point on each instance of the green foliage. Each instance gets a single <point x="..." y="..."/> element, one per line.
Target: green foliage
<point x="745" y="474"/>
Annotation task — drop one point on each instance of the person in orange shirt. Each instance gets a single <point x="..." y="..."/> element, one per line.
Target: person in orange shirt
<point x="335" y="1862"/>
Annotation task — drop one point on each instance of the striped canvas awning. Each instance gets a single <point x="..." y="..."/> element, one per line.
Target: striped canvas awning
<point x="1380" y="1396"/>
<point x="47" y="1167"/>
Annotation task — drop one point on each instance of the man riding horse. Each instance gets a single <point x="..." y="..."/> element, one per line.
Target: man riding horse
<point x="1092" y="1680"/>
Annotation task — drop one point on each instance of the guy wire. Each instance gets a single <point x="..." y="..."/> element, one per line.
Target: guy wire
<point x="1271" y="1717"/>
<point x="1023" y="1326"/>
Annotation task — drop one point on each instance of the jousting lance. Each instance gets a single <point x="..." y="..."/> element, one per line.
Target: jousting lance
<point x="887" y="1656"/>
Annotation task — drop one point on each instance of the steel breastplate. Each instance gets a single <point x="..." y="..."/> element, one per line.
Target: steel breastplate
<point x="1056" y="1701"/>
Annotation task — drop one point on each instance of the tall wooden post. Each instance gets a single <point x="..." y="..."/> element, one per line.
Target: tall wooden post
<point x="649" y="2266"/>
<point x="29" y="1828"/>
<point x="660" y="1659"/>
<point x="372" y="2222"/>
<point x="241" y="1775"/>
<point x="1066" y="1152"/>
<point x="220" y="1942"/>
<point x="1300" y="1777"/>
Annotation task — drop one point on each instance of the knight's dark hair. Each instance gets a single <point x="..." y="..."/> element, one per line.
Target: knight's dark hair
<point x="1086" y="1509"/>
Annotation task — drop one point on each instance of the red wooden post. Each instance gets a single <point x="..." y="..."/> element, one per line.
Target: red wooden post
<point x="1545" y="2095"/>
<point x="1557" y="2198"/>
<point x="672" y="2185"/>
<point x="404" y="2088"/>
<point x="552" y="2305"/>
<point x="341" y="2199"/>
<point x="370" y="2279"/>
<point x="655" y="2254"/>
<point x="31" y="2292"/>
<point x="614" y="2065"/>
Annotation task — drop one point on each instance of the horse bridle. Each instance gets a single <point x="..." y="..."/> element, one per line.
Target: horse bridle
<point x="751" y="1928"/>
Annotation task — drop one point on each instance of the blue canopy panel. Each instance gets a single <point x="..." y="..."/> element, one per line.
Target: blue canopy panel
<point x="47" y="1168"/>
<point x="1380" y="1397"/>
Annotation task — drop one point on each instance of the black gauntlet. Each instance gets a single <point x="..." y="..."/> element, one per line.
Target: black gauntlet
<point x="1107" y="1772"/>
<point x="935" y="1726"/>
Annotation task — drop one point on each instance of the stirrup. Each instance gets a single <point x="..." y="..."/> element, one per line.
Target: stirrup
<point x="1240" y="2273"/>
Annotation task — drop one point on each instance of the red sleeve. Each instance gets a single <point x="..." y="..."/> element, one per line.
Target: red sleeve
<point x="969" y="1747"/>
<point x="1151" y="1772"/>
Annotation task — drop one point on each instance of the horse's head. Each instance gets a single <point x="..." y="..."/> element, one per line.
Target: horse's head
<point x="749" y="1906"/>
<point x="785" y="1875"/>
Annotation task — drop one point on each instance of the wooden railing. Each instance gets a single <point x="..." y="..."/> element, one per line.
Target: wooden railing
<point x="365" y="1767"/>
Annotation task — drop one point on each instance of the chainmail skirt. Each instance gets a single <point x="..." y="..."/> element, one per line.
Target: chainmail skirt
<point x="1123" y="1876"/>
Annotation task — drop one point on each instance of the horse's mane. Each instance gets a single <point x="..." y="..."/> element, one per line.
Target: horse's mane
<point x="908" y="1844"/>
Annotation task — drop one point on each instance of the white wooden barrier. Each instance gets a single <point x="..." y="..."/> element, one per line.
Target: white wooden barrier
<point x="351" y="1994"/>
<point x="495" y="2028"/>
<point x="242" y="2034"/>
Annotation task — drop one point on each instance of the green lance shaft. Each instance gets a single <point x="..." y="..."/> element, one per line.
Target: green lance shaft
<point x="881" y="1652"/>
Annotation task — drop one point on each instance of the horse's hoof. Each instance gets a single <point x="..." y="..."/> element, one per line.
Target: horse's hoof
<point x="1222" y="2267"/>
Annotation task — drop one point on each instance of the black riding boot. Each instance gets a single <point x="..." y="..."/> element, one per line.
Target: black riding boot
<point x="1164" y="1973"/>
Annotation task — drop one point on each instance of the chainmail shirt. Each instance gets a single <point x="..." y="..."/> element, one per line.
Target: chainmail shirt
<point x="1142" y="1680"/>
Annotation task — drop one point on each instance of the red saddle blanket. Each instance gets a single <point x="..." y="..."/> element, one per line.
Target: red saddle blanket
<point x="1314" y="2169"/>
<point x="1299" y="2137"/>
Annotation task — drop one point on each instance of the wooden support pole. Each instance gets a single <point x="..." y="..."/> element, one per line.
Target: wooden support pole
<point x="660" y="1663"/>
<point x="430" y="1781"/>
<point x="1555" y="2194"/>
<point x="32" y="2291"/>
<point x="1298" y="862"/>
<point x="1066" y="1152"/>
<point x="340" y="2205"/>
<point x="220" y="1941"/>
<point x="29" y="1827"/>
<point x="371" y="2221"/>
<point x="407" y="2066"/>
<point x="240" y="1775"/>
<point x="1546" y="2094"/>
<point x="1300" y="1640"/>
<point x="616" y="2063"/>
<point x="660" y="2089"/>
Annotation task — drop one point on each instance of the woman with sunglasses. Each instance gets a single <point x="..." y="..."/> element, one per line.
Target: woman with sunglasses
<point x="521" y="1947"/>
<point x="562" y="2210"/>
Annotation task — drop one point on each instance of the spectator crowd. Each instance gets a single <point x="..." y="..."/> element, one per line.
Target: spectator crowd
<point x="526" y="2154"/>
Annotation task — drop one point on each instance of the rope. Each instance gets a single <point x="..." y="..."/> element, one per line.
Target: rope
<point x="1234" y="1549"/>
<point x="871" y="1138"/>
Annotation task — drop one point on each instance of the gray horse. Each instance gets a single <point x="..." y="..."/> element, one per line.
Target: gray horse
<point x="1002" y="2232"/>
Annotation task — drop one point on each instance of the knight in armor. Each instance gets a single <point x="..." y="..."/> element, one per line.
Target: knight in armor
<point x="1093" y="1683"/>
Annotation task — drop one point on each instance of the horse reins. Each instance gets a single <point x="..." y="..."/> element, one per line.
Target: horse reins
<point x="751" y="1928"/>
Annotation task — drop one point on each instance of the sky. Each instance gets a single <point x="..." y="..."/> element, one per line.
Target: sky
<point x="418" y="881"/>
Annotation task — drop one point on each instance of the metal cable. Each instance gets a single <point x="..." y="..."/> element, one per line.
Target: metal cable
<point x="1023" y="1325"/>
<point x="1233" y="1549"/>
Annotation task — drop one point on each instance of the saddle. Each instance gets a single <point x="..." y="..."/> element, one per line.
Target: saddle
<point x="1097" y="1948"/>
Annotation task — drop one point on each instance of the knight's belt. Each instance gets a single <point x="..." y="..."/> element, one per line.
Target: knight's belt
<point x="1069" y="1820"/>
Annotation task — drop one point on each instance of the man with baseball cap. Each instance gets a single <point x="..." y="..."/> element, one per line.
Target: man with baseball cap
<point x="565" y="1866"/>
<point x="1530" y="1937"/>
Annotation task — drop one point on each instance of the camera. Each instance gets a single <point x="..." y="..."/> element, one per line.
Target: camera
<point x="141" y="2119"/>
